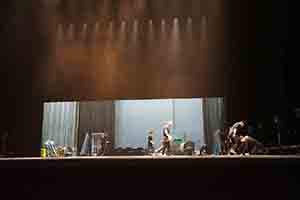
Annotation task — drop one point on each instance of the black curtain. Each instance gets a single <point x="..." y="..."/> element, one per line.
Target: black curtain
<point x="213" y="118"/>
<point x="96" y="117"/>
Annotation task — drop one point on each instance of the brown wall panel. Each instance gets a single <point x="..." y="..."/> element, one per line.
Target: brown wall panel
<point x="95" y="56"/>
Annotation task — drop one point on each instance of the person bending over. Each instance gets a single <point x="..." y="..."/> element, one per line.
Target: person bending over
<point x="166" y="140"/>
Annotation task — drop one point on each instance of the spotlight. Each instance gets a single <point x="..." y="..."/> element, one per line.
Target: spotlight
<point x="175" y="20"/>
<point x="71" y="30"/>
<point x="97" y="24"/>
<point x="135" y="26"/>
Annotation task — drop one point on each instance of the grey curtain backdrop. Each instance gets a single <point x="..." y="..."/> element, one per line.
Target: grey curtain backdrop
<point x="60" y="123"/>
<point x="213" y="113"/>
<point x="133" y="118"/>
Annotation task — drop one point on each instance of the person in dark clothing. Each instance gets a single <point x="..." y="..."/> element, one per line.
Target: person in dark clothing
<point x="166" y="141"/>
<point x="225" y="141"/>
<point x="3" y="143"/>
<point x="249" y="145"/>
<point x="241" y="142"/>
<point x="165" y="145"/>
<point x="104" y="144"/>
<point x="223" y="135"/>
<point x="150" y="142"/>
<point x="217" y="142"/>
<point x="204" y="150"/>
<point x="276" y="130"/>
<point x="238" y="130"/>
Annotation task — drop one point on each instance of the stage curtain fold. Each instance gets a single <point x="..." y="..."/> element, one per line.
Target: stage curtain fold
<point x="213" y="114"/>
<point x="60" y="123"/>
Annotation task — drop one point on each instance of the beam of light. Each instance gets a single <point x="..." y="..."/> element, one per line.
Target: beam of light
<point x="96" y="30"/>
<point x="175" y="40"/>
<point x="83" y="32"/>
<point x="95" y="35"/>
<point x="151" y="51"/>
<point x="176" y="20"/>
<point x="175" y="29"/>
<point x="163" y="32"/>
<point x="111" y="31"/>
<point x="162" y="42"/>
<point x="150" y="31"/>
<point x="110" y="53"/>
<point x="70" y="33"/>
<point x="204" y="29"/>
<point x="189" y="28"/>
<point x="135" y="31"/>
<point x="110" y="35"/>
<point x="122" y="35"/>
<point x="163" y="22"/>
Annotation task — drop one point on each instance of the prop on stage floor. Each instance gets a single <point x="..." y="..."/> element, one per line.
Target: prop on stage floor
<point x="95" y="144"/>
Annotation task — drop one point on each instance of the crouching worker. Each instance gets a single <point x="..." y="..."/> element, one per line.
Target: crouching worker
<point x="249" y="145"/>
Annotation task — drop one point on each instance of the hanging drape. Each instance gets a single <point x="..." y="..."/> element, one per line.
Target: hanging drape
<point x="95" y="117"/>
<point x="134" y="118"/>
<point x="60" y="123"/>
<point x="213" y="113"/>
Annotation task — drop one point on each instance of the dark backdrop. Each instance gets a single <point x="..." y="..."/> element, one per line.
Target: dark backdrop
<point x="96" y="117"/>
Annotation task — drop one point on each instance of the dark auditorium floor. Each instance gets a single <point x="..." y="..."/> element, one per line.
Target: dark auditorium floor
<point x="184" y="177"/>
